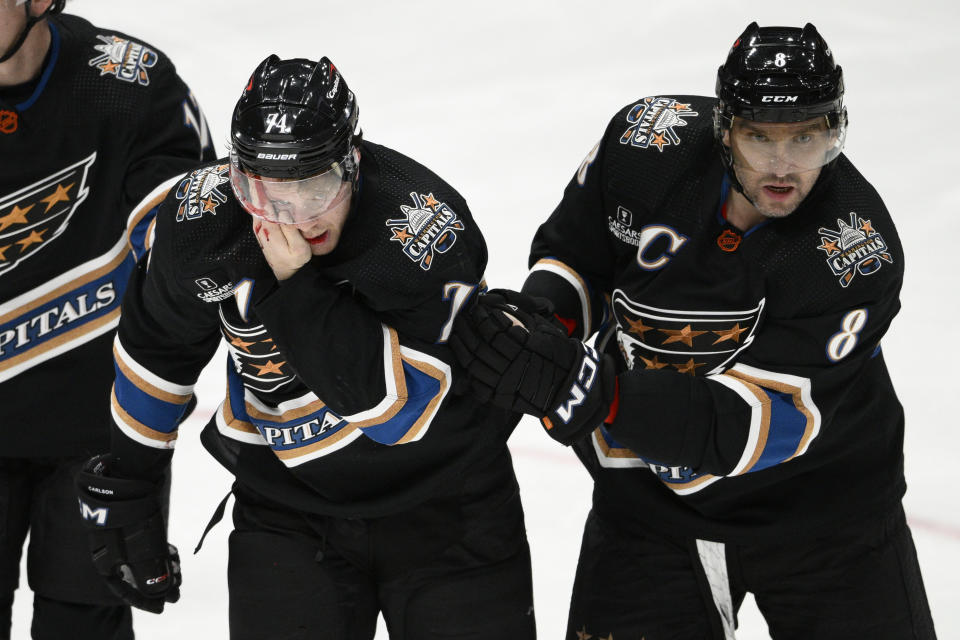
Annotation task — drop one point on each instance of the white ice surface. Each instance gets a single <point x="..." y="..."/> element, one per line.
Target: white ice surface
<point x="503" y="99"/>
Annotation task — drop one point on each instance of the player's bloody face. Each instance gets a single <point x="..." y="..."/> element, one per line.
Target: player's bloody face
<point x="323" y="234"/>
<point x="778" y="163"/>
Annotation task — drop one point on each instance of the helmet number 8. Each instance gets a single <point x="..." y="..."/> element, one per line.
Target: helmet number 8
<point x="780" y="60"/>
<point x="843" y="342"/>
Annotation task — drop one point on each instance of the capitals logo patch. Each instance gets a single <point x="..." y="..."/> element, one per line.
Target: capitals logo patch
<point x="428" y="227"/>
<point x="33" y="216"/>
<point x="853" y="248"/>
<point x="124" y="59"/>
<point x="654" y="122"/>
<point x="200" y="193"/>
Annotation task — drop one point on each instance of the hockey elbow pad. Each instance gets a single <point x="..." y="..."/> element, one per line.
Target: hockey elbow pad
<point x="525" y="362"/>
<point x="127" y="536"/>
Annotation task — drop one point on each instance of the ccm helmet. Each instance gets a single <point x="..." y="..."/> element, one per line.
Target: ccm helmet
<point x="294" y="140"/>
<point x="781" y="75"/>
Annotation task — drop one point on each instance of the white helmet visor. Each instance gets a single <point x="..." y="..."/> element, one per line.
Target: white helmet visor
<point x="782" y="148"/>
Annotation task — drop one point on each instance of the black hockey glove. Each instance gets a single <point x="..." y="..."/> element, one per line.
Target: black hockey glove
<point x="525" y="362"/>
<point x="127" y="536"/>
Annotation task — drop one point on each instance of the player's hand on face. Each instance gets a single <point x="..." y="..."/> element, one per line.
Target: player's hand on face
<point x="285" y="249"/>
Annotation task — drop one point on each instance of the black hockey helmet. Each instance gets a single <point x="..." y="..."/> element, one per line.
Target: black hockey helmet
<point x="296" y="122"/>
<point x="55" y="7"/>
<point x="780" y="75"/>
<point x="295" y="119"/>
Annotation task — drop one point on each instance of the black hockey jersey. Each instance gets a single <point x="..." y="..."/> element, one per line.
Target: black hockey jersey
<point x="340" y="392"/>
<point x="753" y="397"/>
<point x="81" y="148"/>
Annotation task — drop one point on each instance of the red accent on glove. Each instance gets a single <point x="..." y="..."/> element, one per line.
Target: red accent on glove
<point x="569" y="324"/>
<point x="615" y="405"/>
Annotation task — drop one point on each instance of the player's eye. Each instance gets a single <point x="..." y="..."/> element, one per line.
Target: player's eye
<point x="803" y="138"/>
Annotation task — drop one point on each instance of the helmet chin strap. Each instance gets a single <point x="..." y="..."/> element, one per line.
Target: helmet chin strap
<point x="31" y="20"/>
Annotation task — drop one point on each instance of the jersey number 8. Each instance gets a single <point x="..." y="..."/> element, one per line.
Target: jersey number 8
<point x="843" y="342"/>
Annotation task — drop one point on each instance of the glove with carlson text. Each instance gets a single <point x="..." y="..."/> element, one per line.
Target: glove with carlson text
<point x="127" y="536"/>
<point x="520" y="360"/>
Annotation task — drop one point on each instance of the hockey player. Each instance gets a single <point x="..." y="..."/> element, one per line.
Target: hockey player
<point x="333" y="268"/>
<point x="736" y="414"/>
<point x="91" y="120"/>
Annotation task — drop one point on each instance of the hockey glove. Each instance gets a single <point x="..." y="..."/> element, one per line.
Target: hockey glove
<point x="127" y="537"/>
<point x="525" y="362"/>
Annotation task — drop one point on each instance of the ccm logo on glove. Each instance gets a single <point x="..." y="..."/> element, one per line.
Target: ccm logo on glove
<point x="581" y="385"/>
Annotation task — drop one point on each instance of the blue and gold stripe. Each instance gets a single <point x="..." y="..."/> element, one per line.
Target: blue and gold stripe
<point x="304" y="428"/>
<point x="783" y="422"/>
<point x="64" y="313"/>
<point x="784" y="419"/>
<point x="147" y="408"/>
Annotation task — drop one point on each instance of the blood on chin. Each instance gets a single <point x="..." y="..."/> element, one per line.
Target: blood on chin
<point x="320" y="239"/>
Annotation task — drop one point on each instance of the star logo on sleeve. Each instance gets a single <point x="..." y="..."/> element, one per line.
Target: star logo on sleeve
<point x="35" y="214"/>
<point x="654" y="363"/>
<point x="269" y="367"/>
<point x="35" y="237"/>
<point x="685" y="335"/>
<point x="677" y="342"/>
<point x="16" y="216"/>
<point x="688" y="367"/>
<point x="733" y="333"/>
<point x="637" y="326"/>
<point x="59" y="195"/>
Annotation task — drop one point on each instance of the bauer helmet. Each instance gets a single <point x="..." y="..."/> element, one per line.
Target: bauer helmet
<point x="780" y="75"/>
<point x="294" y="140"/>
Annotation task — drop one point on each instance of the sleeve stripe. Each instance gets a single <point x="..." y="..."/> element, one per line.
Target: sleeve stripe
<point x="291" y="442"/>
<point x="138" y="431"/>
<point x="759" y="420"/>
<point x="783" y="421"/>
<point x="394" y="381"/>
<point x="612" y="454"/>
<point x="562" y="270"/>
<point x="235" y="428"/>
<point x="334" y="442"/>
<point x="160" y="415"/>
<point x="70" y="339"/>
<point x="225" y="413"/>
<point x="65" y="283"/>
<point x="285" y="411"/>
<point x="143" y="209"/>
<point x="147" y="381"/>
<point x="435" y="369"/>
<point x="797" y="388"/>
